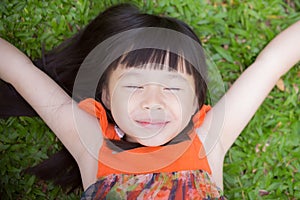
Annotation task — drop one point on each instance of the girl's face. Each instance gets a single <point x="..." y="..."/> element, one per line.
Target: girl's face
<point x="150" y="106"/>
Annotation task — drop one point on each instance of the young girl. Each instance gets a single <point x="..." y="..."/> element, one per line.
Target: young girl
<point x="150" y="105"/>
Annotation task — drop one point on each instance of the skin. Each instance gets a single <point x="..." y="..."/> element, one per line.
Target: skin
<point x="156" y="104"/>
<point x="235" y="109"/>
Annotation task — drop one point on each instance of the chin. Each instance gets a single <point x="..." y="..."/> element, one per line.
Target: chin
<point x="153" y="142"/>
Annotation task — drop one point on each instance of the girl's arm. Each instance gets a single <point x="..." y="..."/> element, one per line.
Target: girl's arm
<point x="53" y="105"/>
<point x="226" y="120"/>
<point x="232" y="113"/>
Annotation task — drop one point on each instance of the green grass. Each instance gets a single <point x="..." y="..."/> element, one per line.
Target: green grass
<point x="266" y="155"/>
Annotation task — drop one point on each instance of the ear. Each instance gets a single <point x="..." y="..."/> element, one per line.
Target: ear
<point x="105" y="97"/>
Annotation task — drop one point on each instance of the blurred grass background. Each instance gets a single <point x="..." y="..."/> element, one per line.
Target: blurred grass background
<point x="264" y="161"/>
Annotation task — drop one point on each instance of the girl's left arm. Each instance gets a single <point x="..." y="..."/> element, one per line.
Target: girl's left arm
<point x="231" y="114"/>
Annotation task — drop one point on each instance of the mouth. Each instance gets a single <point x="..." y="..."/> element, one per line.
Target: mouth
<point x="152" y="124"/>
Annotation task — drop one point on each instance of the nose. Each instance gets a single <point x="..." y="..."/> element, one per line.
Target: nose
<point x="152" y="98"/>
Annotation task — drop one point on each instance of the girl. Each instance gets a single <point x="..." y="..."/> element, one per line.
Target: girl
<point x="161" y="111"/>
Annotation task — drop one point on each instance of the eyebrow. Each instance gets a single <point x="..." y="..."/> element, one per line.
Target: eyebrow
<point x="128" y="74"/>
<point x="177" y="77"/>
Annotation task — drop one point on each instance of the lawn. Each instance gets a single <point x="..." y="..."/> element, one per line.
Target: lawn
<point x="264" y="161"/>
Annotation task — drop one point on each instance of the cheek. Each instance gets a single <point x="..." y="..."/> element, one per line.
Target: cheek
<point x="119" y="104"/>
<point x="175" y="105"/>
<point x="188" y="105"/>
<point x="133" y="101"/>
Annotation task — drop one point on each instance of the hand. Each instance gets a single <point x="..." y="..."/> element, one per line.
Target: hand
<point x="11" y="60"/>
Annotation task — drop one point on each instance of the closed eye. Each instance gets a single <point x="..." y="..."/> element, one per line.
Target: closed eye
<point x="172" y="89"/>
<point x="134" y="87"/>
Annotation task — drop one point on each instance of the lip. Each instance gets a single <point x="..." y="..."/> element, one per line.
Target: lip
<point x="152" y="124"/>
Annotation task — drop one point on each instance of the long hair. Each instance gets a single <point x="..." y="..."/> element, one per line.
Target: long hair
<point x="64" y="61"/>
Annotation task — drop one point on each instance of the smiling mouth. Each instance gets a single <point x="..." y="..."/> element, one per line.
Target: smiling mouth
<point x="152" y="124"/>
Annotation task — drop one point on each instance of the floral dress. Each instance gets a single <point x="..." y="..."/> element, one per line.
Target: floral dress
<point x="180" y="185"/>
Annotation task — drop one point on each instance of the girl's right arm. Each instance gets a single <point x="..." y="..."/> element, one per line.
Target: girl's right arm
<point x="53" y="105"/>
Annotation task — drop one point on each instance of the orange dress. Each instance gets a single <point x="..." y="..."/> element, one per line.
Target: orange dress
<point x="172" y="171"/>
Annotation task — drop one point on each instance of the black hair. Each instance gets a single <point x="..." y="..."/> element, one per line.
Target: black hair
<point x="64" y="61"/>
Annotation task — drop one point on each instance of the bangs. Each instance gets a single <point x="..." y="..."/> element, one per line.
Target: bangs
<point x="157" y="59"/>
